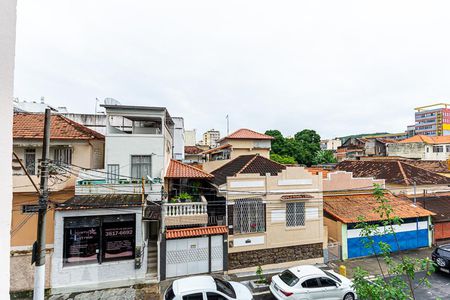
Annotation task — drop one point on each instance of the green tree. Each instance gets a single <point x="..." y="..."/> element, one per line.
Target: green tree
<point x="308" y="144"/>
<point x="398" y="283"/>
<point x="282" y="159"/>
<point x="278" y="143"/>
<point x="324" y="157"/>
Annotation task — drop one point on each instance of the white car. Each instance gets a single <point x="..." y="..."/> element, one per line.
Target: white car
<point x="206" y="288"/>
<point x="310" y="282"/>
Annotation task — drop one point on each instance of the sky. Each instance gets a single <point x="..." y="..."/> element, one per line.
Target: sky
<point x="338" y="67"/>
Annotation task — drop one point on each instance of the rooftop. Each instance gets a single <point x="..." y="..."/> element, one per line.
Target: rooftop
<point x="443" y="139"/>
<point x="246" y="164"/>
<point x="177" y="169"/>
<point x="31" y="126"/>
<point x="437" y="203"/>
<point x="364" y="205"/>
<point x="192" y="150"/>
<point x="244" y="133"/>
<point x="101" y="201"/>
<point x="394" y="172"/>
<point x="213" y="150"/>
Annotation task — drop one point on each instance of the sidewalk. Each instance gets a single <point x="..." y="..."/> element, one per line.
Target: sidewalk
<point x="371" y="265"/>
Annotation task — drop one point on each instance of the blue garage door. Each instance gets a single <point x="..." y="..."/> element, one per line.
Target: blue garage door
<point x="409" y="235"/>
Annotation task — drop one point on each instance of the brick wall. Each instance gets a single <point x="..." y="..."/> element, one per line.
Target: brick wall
<point x="273" y="256"/>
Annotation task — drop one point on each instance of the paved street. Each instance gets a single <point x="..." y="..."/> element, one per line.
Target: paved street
<point x="440" y="289"/>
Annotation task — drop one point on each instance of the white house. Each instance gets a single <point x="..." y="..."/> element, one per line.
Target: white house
<point x="422" y="147"/>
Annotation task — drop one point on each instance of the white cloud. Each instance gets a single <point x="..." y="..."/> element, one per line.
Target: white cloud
<point x="338" y="67"/>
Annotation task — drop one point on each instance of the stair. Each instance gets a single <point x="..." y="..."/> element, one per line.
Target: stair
<point x="152" y="259"/>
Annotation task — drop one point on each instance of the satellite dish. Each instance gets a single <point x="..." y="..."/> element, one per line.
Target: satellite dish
<point x="111" y="101"/>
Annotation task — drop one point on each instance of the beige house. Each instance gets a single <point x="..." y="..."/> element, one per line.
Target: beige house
<point x="241" y="142"/>
<point x="70" y="144"/>
<point x="275" y="216"/>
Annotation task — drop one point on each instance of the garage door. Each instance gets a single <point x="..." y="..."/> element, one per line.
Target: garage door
<point x="216" y="253"/>
<point x="442" y="231"/>
<point x="409" y="236"/>
<point x="187" y="256"/>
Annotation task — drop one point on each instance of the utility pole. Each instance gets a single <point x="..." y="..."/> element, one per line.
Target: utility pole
<point x="39" y="274"/>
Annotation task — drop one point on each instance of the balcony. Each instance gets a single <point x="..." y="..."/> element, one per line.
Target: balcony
<point x="187" y="213"/>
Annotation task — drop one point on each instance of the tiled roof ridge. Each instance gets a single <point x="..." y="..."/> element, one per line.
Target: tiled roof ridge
<point x="206" y="174"/>
<point x="247" y="164"/>
<point x="262" y="135"/>
<point x="405" y="178"/>
<point x="82" y="128"/>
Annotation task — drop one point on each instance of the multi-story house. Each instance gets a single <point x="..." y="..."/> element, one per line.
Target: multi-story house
<point x="211" y="137"/>
<point x="432" y="120"/>
<point x="422" y="147"/>
<point x="241" y="142"/>
<point x="72" y="146"/>
<point x="330" y="144"/>
<point x="108" y="234"/>
<point x="355" y="148"/>
<point x="178" y="138"/>
<point x="274" y="213"/>
<point x="193" y="239"/>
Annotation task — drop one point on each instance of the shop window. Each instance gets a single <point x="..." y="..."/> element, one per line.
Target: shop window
<point x="99" y="238"/>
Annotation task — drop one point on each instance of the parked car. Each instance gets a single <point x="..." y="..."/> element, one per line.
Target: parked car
<point x="206" y="288"/>
<point x="441" y="257"/>
<point x="310" y="282"/>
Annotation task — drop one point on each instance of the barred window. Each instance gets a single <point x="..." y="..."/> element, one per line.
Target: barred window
<point x="249" y="216"/>
<point x="63" y="156"/>
<point x="113" y="173"/>
<point x="295" y="214"/>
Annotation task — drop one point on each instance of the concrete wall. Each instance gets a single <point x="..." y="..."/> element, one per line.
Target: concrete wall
<point x="334" y="229"/>
<point x="7" y="54"/>
<point x="178" y="138"/>
<point x="341" y="180"/>
<point x="190" y="137"/>
<point x="293" y="180"/>
<point x="22" y="271"/>
<point x="409" y="150"/>
<point x="95" y="276"/>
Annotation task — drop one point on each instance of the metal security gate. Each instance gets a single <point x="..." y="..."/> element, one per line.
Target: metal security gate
<point x="333" y="252"/>
<point x="216" y="253"/>
<point x="191" y="256"/>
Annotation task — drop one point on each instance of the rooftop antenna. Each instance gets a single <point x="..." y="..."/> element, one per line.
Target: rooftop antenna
<point x="111" y="101"/>
<point x="228" y="124"/>
<point x="96" y="101"/>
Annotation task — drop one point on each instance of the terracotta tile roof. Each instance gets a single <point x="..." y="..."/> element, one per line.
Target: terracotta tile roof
<point x="31" y="126"/>
<point x="192" y="150"/>
<point x="244" y="133"/>
<point x="197" y="231"/>
<point x="317" y="170"/>
<point x="216" y="149"/>
<point x="438" y="203"/>
<point x="436" y="166"/>
<point x="364" y="205"/>
<point x="445" y="139"/>
<point x="394" y="172"/>
<point x="246" y="164"/>
<point x="177" y="169"/>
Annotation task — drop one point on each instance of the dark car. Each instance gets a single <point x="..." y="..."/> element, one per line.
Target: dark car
<point x="441" y="256"/>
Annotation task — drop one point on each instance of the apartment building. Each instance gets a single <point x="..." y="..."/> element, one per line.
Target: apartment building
<point x="432" y="120"/>
<point x="211" y="138"/>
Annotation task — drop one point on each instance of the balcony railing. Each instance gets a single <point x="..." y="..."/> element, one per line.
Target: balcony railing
<point x="189" y="213"/>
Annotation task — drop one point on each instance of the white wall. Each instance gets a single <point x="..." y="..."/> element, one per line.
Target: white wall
<point x="7" y="53"/>
<point x="178" y="139"/>
<point x="190" y="137"/>
<point x="119" y="148"/>
<point x="94" y="276"/>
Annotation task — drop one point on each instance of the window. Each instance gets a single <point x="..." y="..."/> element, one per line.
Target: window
<point x="30" y="208"/>
<point x="141" y="166"/>
<point x="63" y="156"/>
<point x="215" y="296"/>
<point x="327" y="282"/>
<point x="113" y="173"/>
<point x="437" y="149"/>
<point x="170" y="295"/>
<point x="311" y="283"/>
<point x="197" y="296"/>
<point x="447" y="148"/>
<point x="295" y="214"/>
<point x="332" y="276"/>
<point x="249" y="216"/>
<point x="97" y="239"/>
<point x="30" y="161"/>
<point x="289" y="278"/>
<point x="225" y="287"/>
